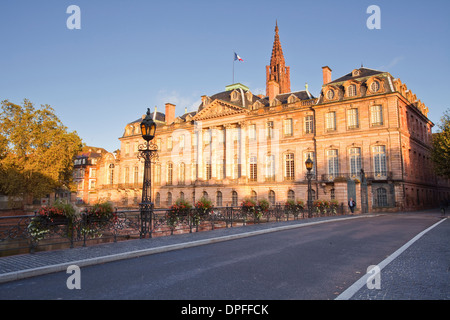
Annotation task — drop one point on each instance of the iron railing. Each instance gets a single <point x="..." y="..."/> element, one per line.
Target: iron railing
<point x="16" y="236"/>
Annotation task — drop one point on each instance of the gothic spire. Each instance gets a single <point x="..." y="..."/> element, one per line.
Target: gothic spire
<point x="277" y="71"/>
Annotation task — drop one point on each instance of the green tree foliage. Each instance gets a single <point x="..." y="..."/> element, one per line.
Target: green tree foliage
<point x="441" y="147"/>
<point x="36" y="151"/>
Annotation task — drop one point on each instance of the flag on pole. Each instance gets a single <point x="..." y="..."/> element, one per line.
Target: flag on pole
<point x="236" y="57"/>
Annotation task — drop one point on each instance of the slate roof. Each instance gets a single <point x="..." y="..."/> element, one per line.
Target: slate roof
<point x="364" y="72"/>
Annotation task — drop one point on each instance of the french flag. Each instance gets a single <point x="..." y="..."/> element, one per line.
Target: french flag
<point x="236" y="57"/>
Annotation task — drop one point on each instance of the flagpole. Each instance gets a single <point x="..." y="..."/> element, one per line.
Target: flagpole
<point x="233" y="67"/>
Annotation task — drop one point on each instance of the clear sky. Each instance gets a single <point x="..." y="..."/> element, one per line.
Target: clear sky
<point x="135" y="54"/>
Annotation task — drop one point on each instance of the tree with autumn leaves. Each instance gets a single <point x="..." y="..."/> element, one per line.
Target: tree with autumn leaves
<point x="441" y="147"/>
<point x="36" y="151"/>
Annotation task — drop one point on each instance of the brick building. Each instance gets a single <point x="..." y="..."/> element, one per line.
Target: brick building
<point x="367" y="133"/>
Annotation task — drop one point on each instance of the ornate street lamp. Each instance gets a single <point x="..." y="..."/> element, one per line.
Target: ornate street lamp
<point x="147" y="151"/>
<point x="309" y="165"/>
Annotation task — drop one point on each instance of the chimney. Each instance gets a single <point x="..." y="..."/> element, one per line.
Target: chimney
<point x="326" y="74"/>
<point x="170" y="113"/>
<point x="273" y="89"/>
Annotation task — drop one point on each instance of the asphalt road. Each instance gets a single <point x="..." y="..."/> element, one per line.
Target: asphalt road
<point x="313" y="262"/>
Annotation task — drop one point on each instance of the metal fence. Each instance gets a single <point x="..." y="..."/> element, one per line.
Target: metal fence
<point x="17" y="237"/>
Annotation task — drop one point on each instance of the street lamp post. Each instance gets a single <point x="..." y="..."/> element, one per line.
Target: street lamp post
<point x="309" y="165"/>
<point x="147" y="151"/>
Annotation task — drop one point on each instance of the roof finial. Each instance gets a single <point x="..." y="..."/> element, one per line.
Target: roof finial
<point x="276" y="25"/>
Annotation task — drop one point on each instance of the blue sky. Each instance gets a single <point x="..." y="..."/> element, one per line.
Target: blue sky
<point x="131" y="55"/>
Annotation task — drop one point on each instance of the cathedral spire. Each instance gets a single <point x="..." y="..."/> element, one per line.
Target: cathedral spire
<point x="277" y="72"/>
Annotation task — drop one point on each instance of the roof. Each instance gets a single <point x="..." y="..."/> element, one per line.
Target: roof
<point x="363" y="72"/>
<point x="159" y="117"/>
<point x="226" y="96"/>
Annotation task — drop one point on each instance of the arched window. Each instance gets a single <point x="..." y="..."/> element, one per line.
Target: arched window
<point x="272" y="197"/>
<point x="234" y="199"/>
<point x="219" y="198"/>
<point x="169" y="198"/>
<point x="254" y="196"/>
<point x="291" y="195"/>
<point x="181" y="195"/>
<point x="205" y="195"/>
<point x="351" y="90"/>
<point x="157" y="199"/>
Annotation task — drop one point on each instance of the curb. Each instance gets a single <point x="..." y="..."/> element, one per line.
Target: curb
<point x="27" y="273"/>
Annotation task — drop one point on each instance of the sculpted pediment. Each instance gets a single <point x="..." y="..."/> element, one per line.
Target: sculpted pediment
<point x="218" y="109"/>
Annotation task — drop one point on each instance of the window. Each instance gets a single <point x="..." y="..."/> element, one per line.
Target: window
<point x="158" y="199"/>
<point x="158" y="174"/>
<point x="205" y="195"/>
<point x="252" y="131"/>
<point x="330" y="120"/>
<point x="254" y="196"/>
<point x="309" y="124"/>
<point x="351" y="90"/>
<point x="208" y="173"/>
<point x="291" y="195"/>
<point x="333" y="194"/>
<point x="181" y="195"/>
<point x="136" y="175"/>
<point x="91" y="184"/>
<point x="169" y="173"/>
<point x="127" y="175"/>
<point x="236" y="167"/>
<point x="220" y="169"/>
<point x="352" y="118"/>
<point x="287" y="128"/>
<point x="355" y="162"/>
<point x="253" y="169"/>
<point x="181" y="142"/>
<point x="382" y="197"/>
<point x="234" y="199"/>
<point x="182" y="173"/>
<point x="379" y="161"/>
<point x="272" y="197"/>
<point x="269" y="129"/>
<point x="92" y="173"/>
<point x="289" y="166"/>
<point x="219" y="199"/>
<point x="169" y="143"/>
<point x="333" y="164"/>
<point x="270" y="167"/>
<point x="376" y="115"/>
<point x="375" y="86"/>
<point x="169" y="198"/>
<point x="111" y="174"/>
<point x="158" y="144"/>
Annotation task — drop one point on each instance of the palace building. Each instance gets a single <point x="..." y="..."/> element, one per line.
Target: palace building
<point x="367" y="133"/>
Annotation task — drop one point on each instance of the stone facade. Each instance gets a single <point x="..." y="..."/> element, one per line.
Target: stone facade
<point x="368" y="135"/>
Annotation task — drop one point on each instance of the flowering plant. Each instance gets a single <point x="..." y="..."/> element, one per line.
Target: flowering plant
<point x="49" y="218"/>
<point x="294" y="207"/>
<point x="181" y="208"/>
<point x="204" y="206"/>
<point x="97" y="217"/>
<point x="334" y="204"/>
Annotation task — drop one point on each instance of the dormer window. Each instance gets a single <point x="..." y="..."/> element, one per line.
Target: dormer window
<point x="351" y="90"/>
<point x="356" y="73"/>
<point x="330" y="94"/>
<point x="375" y="86"/>
<point x="234" y="95"/>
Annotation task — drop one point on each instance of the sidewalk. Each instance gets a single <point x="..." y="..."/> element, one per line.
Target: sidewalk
<point x="30" y="265"/>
